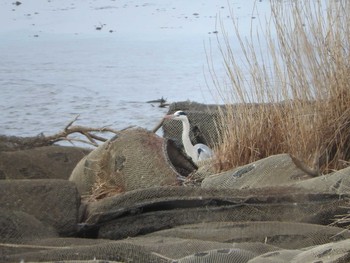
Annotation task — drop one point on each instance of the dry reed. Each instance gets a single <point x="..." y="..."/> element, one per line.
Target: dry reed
<point x="293" y="97"/>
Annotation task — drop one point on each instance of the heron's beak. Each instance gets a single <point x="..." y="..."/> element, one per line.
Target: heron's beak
<point x="169" y="117"/>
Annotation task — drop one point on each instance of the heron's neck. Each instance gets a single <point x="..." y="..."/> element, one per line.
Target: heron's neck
<point x="186" y="138"/>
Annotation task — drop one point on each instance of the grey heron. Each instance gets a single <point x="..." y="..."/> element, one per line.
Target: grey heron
<point x="198" y="152"/>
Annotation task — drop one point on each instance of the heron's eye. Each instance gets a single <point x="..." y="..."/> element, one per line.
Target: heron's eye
<point x="181" y="113"/>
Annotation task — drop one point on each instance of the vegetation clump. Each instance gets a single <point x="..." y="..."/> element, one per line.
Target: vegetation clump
<point x="290" y="91"/>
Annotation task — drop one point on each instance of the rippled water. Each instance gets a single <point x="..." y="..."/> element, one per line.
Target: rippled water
<point x="56" y="64"/>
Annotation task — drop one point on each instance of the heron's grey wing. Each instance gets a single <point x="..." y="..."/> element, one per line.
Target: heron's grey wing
<point x="204" y="152"/>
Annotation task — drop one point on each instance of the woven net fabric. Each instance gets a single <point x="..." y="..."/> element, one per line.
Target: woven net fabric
<point x="204" y="120"/>
<point x="185" y="224"/>
<point x="144" y="210"/>
<point x="274" y="170"/>
<point x="131" y="160"/>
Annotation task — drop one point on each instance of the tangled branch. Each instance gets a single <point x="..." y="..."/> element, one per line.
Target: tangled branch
<point x="91" y="138"/>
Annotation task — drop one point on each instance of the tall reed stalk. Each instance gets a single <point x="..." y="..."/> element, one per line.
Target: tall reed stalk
<point x="293" y="96"/>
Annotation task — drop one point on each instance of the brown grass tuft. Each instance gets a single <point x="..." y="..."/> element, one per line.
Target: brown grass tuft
<point x="293" y="97"/>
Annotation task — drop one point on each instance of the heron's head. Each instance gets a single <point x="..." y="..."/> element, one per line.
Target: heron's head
<point x="178" y="115"/>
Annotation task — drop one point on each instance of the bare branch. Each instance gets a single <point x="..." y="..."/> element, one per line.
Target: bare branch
<point x="20" y="143"/>
<point x="96" y="137"/>
<point x="156" y="128"/>
<point x="87" y="135"/>
<point x="70" y="123"/>
<point x="72" y="140"/>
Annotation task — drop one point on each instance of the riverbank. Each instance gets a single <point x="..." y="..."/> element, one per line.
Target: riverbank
<point x="266" y="209"/>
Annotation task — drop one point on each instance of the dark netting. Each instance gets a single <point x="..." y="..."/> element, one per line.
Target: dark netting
<point x="203" y="119"/>
<point x="139" y="198"/>
<point x="133" y="159"/>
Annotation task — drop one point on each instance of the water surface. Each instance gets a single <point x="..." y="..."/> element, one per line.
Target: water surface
<point x="103" y="60"/>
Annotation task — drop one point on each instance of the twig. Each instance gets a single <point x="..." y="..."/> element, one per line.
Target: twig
<point x="96" y="137"/>
<point x="87" y="135"/>
<point x="157" y="127"/>
<point x="71" y="140"/>
<point x="70" y="123"/>
<point x="22" y="143"/>
<point x="127" y="128"/>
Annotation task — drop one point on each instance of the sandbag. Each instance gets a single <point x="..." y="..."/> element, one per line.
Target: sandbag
<point x="148" y="210"/>
<point x="134" y="159"/>
<point x="49" y="162"/>
<point x="19" y="227"/>
<point x="53" y="202"/>
<point x="337" y="182"/>
<point x="284" y="235"/>
<point x="268" y="172"/>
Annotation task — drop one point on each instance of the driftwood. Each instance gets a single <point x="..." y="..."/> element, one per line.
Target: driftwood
<point x="162" y="102"/>
<point x="12" y="143"/>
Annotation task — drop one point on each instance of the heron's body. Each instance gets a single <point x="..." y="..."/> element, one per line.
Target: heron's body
<point x="198" y="152"/>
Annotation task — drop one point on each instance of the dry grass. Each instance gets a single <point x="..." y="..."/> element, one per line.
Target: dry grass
<point x="105" y="186"/>
<point x="293" y="97"/>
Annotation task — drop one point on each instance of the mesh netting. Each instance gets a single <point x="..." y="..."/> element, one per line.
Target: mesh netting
<point x="276" y="170"/>
<point x="133" y="159"/>
<point x="203" y="120"/>
<point x="33" y="164"/>
<point x="54" y="202"/>
<point x="131" y="200"/>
